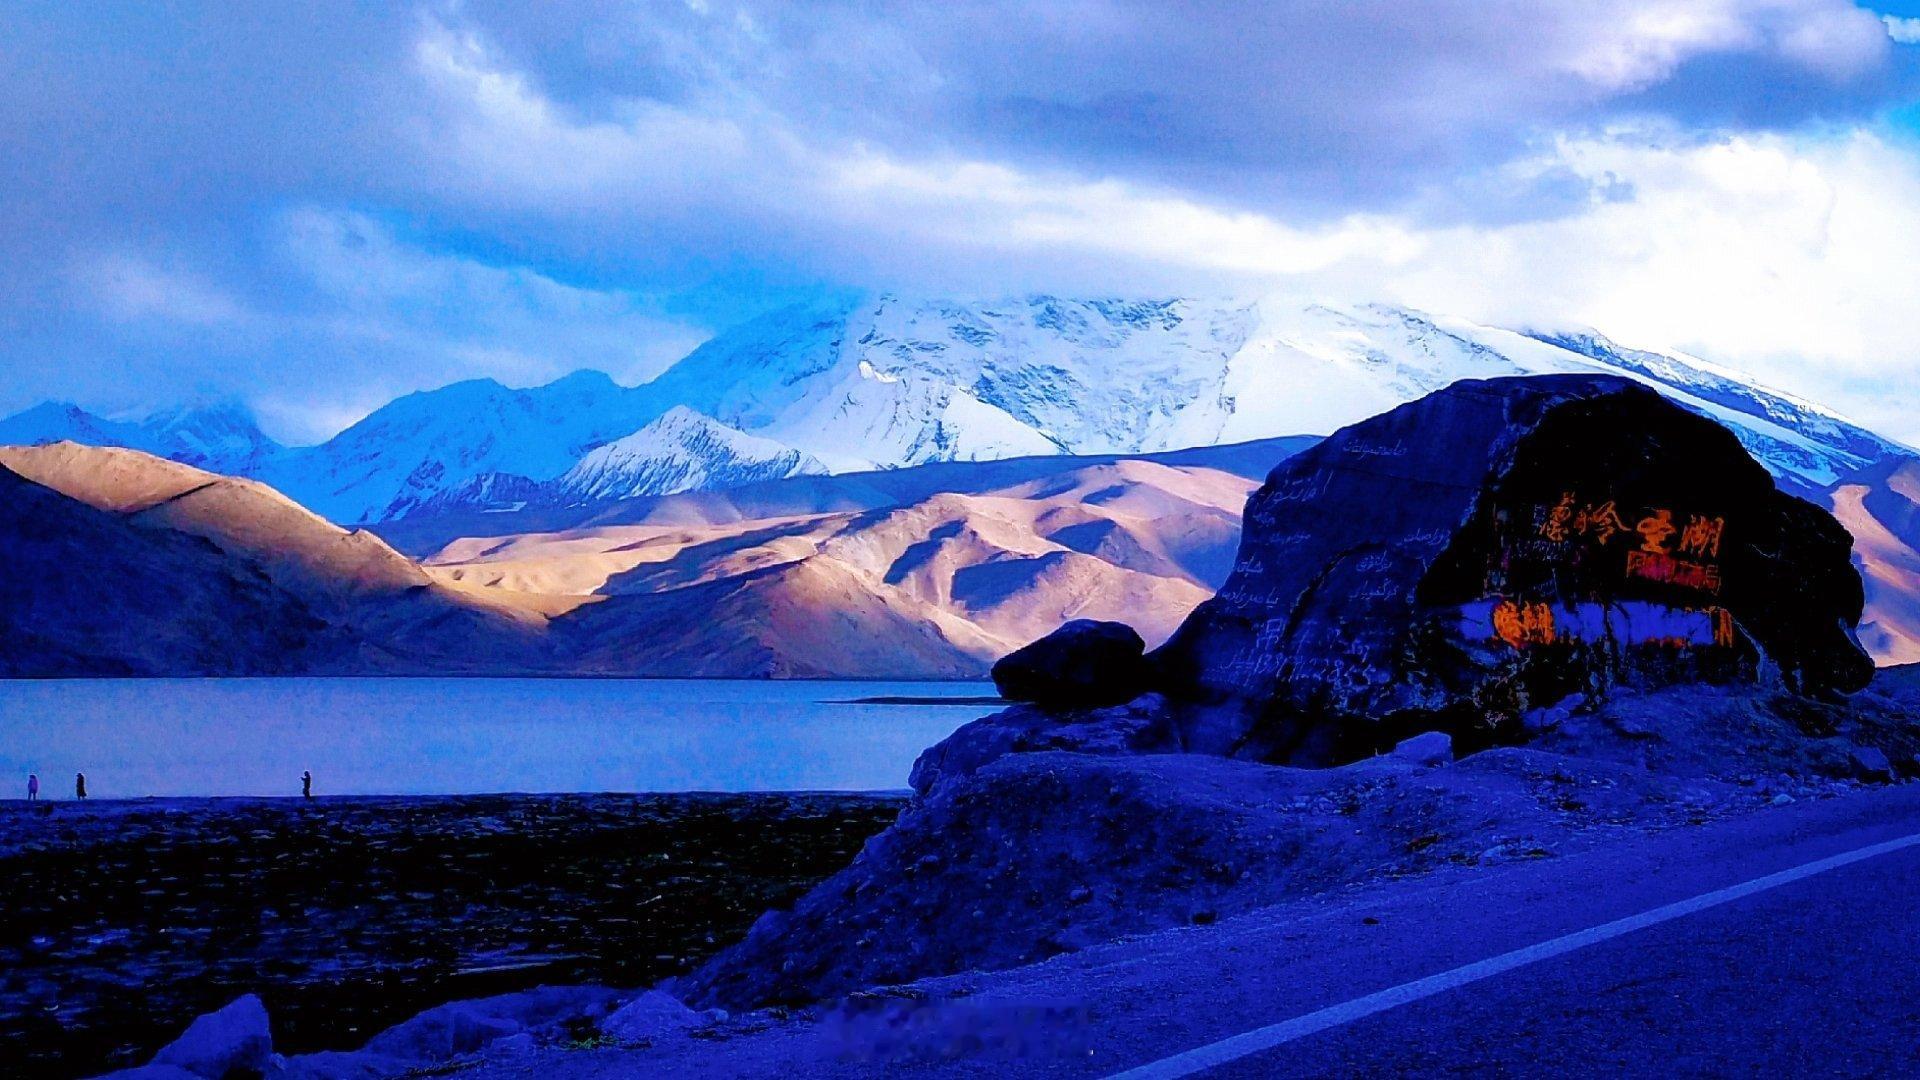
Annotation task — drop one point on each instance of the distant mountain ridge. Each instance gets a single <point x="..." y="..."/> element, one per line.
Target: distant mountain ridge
<point x="129" y="564"/>
<point x="889" y="382"/>
<point x="124" y="563"/>
<point x="222" y="438"/>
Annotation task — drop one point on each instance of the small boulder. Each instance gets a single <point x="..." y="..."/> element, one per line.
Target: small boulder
<point x="1871" y="765"/>
<point x="649" y="1016"/>
<point x="232" y="1041"/>
<point x="462" y="1027"/>
<point x="522" y="1043"/>
<point x="1084" y="663"/>
<point x="1427" y="749"/>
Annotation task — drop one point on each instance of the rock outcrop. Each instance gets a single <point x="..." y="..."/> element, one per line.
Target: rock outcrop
<point x="1505" y="543"/>
<point x="1488" y="550"/>
<point x="1082" y="663"/>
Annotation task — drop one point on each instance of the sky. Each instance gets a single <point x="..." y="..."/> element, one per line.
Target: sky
<point x="313" y="208"/>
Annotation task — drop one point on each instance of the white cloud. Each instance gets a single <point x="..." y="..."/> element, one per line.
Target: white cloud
<point x="478" y="318"/>
<point x="1788" y="256"/>
<point x="1631" y="45"/>
<point x="1904" y="31"/>
<point x="130" y="288"/>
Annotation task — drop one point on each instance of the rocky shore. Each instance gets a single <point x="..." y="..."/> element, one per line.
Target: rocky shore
<point x="347" y="915"/>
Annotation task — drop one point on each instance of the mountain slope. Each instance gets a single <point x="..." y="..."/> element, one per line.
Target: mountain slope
<point x="938" y="585"/>
<point x="524" y="508"/>
<point x="393" y="614"/>
<point x="1881" y="508"/>
<point x="86" y="592"/>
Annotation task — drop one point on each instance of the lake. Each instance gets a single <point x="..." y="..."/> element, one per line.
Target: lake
<point x="194" y="737"/>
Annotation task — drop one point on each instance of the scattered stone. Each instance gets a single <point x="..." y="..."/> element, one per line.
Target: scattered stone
<point x="1426" y="750"/>
<point x="1871" y="765"/>
<point x="232" y="1041"/>
<point x="1084" y="663"/>
<point x="649" y="1016"/>
<point x="463" y="1027"/>
<point x="523" y="1043"/>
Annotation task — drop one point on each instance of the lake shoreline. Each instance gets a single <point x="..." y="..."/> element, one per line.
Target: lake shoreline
<point x="349" y="913"/>
<point x="256" y="737"/>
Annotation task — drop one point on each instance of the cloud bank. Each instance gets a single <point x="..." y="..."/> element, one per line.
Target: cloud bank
<point x="320" y="213"/>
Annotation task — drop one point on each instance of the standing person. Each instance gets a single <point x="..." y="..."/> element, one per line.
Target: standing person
<point x="79" y="785"/>
<point x="306" y="784"/>
<point x="33" y="787"/>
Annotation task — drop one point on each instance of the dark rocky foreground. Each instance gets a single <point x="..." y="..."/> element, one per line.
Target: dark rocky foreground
<point x="127" y="919"/>
<point x="1594" y="599"/>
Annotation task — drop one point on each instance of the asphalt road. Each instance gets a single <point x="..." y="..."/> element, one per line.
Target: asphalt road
<point x="1816" y="977"/>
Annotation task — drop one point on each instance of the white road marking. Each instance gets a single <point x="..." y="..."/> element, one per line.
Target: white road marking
<point x="1233" y="1048"/>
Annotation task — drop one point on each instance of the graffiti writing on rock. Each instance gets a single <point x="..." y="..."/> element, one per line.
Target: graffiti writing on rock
<point x="1672" y="551"/>
<point x="1658" y="566"/>
<point x="1524" y="624"/>
<point x="1520" y="625"/>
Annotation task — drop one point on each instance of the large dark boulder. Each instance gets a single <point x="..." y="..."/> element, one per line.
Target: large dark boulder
<point x="1485" y="552"/>
<point x="1499" y="545"/>
<point x="1084" y="663"/>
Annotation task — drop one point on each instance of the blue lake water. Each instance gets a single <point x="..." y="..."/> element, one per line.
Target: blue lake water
<point x="189" y="737"/>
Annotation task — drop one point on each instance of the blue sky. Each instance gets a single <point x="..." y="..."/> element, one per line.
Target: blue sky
<point x="314" y="208"/>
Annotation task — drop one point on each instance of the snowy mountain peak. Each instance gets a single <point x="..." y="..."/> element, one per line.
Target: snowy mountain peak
<point x="682" y="450"/>
<point x="223" y="438"/>
<point x="426" y="444"/>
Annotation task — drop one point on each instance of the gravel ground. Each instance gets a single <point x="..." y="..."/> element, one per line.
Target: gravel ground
<point x="127" y="919"/>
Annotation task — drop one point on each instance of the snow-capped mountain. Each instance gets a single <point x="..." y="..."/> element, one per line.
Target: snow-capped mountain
<point x="683" y="450"/>
<point x="426" y="444"/>
<point x="221" y="438"/>
<point x="888" y="381"/>
<point x="891" y="381"/>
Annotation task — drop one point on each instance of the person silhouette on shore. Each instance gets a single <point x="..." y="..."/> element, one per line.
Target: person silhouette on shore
<point x="33" y="787"/>
<point x="79" y="785"/>
<point x="306" y="784"/>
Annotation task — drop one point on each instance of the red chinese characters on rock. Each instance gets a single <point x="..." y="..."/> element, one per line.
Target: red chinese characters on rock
<point x="1659" y="566"/>
<point x="1568" y="519"/>
<point x="1702" y="536"/>
<point x="1669" y="553"/>
<point x="1520" y="625"/>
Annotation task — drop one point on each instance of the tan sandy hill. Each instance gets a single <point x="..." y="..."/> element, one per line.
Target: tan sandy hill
<point x="940" y="586"/>
<point x="395" y="614"/>
<point x="1881" y="508"/>
<point x="86" y="592"/>
<point x="931" y="573"/>
<point x="922" y="584"/>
